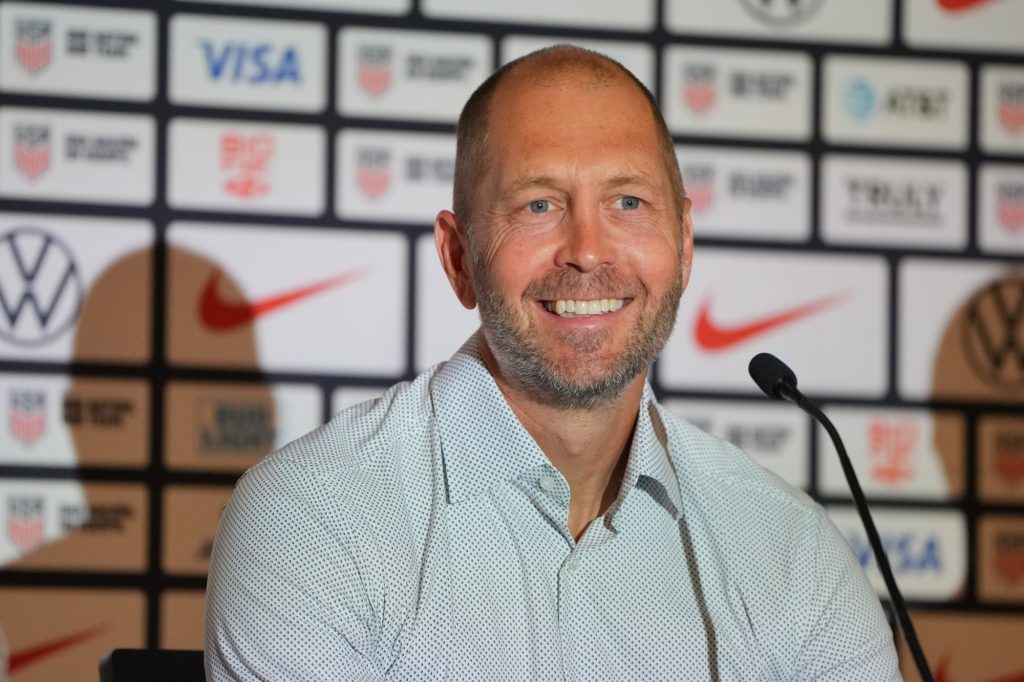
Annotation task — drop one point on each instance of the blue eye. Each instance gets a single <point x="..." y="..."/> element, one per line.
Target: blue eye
<point x="540" y="206"/>
<point x="629" y="203"/>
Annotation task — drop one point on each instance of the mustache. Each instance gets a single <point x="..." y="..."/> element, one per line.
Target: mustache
<point x="600" y="283"/>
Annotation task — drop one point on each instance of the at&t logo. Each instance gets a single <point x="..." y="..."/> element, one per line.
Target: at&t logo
<point x="860" y="99"/>
<point x="41" y="289"/>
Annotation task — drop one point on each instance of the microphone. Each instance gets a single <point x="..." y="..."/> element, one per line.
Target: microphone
<point x="778" y="381"/>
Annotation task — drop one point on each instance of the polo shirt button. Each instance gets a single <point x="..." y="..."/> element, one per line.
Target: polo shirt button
<point x="547" y="483"/>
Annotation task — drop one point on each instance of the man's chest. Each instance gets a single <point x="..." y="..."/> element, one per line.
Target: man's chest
<point x="509" y="597"/>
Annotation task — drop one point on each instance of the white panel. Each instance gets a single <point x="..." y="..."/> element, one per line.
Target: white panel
<point x="737" y="93"/>
<point x="247" y="63"/>
<point x="1001" y="208"/>
<point x="895" y="102"/>
<point x="344" y="293"/>
<point x="978" y="26"/>
<point x="927" y="550"/>
<point x="247" y="167"/>
<point x="636" y="15"/>
<point x="393" y="176"/>
<point x="364" y="6"/>
<point x="866" y="22"/>
<point x="931" y="293"/>
<point x="72" y="156"/>
<point x="47" y="266"/>
<point x="893" y="451"/>
<point x="776" y="436"/>
<point x="442" y="324"/>
<point x="72" y="52"/>
<point x="747" y="193"/>
<point x="1001" y="121"/>
<point x="409" y="75"/>
<point x="885" y="201"/>
<point x="826" y="315"/>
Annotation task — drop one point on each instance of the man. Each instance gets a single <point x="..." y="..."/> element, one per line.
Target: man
<point x="527" y="510"/>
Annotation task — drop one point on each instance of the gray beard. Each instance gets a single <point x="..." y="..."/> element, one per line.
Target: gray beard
<point x="522" y="361"/>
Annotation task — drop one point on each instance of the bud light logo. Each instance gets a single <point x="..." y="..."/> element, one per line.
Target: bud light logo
<point x="251" y="63"/>
<point x="860" y="99"/>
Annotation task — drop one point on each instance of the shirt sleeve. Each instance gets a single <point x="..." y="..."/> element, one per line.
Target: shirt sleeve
<point x="846" y="636"/>
<point x="286" y="599"/>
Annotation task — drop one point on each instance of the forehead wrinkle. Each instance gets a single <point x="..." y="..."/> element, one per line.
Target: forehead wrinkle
<point x="528" y="182"/>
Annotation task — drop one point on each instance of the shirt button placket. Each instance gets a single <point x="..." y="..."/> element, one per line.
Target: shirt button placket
<point x="566" y="576"/>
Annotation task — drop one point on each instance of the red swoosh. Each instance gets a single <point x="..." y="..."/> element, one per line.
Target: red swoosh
<point x="23" y="657"/>
<point x="940" y="674"/>
<point x="959" y="5"/>
<point x="712" y="336"/>
<point x="220" y="315"/>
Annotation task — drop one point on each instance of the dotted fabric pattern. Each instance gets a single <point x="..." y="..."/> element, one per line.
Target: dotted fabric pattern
<point x="424" y="536"/>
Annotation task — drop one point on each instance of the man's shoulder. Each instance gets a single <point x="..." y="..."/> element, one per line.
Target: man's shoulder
<point x="363" y="439"/>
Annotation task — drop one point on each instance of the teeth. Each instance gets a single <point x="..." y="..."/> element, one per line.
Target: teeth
<point x="573" y="308"/>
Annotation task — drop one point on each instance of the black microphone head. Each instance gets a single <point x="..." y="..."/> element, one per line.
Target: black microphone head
<point x="770" y="374"/>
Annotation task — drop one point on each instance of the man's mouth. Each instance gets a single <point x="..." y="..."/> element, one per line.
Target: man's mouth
<point x="578" y="308"/>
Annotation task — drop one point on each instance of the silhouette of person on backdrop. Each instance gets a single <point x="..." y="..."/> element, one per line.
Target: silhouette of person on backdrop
<point x="89" y="529"/>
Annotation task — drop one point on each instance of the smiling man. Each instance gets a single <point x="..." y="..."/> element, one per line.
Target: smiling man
<point x="527" y="510"/>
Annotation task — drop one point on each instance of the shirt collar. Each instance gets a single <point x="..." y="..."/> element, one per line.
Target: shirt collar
<point x="484" y="444"/>
<point x="482" y="441"/>
<point x="649" y="460"/>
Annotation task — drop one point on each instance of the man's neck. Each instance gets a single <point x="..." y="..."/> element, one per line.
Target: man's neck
<point x="589" y="447"/>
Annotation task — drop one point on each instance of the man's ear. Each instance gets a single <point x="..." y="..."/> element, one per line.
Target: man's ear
<point x="687" y="252"/>
<point x="453" y="249"/>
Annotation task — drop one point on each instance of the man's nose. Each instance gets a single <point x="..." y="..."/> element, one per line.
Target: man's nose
<point x="586" y="243"/>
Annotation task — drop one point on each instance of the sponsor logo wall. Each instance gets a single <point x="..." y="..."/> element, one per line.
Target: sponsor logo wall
<point x="215" y="232"/>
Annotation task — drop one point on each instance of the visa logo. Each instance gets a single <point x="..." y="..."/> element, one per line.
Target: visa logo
<point x="907" y="552"/>
<point x="244" y="63"/>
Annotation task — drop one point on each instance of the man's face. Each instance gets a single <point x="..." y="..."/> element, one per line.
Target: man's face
<point x="579" y="255"/>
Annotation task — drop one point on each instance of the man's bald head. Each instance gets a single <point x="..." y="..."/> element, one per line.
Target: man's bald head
<point x="544" y="67"/>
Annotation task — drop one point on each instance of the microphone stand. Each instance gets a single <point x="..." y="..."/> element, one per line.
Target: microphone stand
<point x="787" y="390"/>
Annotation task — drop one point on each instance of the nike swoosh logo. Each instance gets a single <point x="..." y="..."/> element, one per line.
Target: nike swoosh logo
<point x="23" y="657"/>
<point x="715" y="337"/>
<point x="941" y="674"/>
<point x="220" y="315"/>
<point x="960" y="5"/>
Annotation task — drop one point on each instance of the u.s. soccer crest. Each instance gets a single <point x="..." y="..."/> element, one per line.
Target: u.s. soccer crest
<point x="699" y="87"/>
<point x="1010" y="205"/>
<point x="25" y="521"/>
<point x="32" y="44"/>
<point x="31" y="149"/>
<point x="700" y="186"/>
<point x="27" y="419"/>
<point x="375" y="68"/>
<point x="373" y="170"/>
<point x="1010" y="556"/>
<point x="1011" y="106"/>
